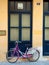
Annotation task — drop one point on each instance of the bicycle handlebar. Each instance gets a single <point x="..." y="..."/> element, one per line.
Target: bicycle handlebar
<point x="17" y="42"/>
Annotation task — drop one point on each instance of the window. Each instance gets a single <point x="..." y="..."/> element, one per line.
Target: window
<point x="20" y="24"/>
<point x="15" y="6"/>
<point x="25" y="20"/>
<point x="14" y="20"/>
<point x="14" y="24"/>
<point x="46" y="6"/>
<point x="46" y="29"/>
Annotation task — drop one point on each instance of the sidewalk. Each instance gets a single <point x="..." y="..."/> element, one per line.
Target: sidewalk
<point x="26" y="63"/>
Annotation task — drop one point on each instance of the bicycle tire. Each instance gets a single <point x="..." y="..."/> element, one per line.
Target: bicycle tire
<point x="30" y="59"/>
<point x="9" y="58"/>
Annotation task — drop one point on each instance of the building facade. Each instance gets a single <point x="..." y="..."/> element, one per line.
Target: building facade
<point x="33" y="33"/>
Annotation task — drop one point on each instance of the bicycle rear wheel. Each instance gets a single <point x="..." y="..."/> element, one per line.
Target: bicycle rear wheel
<point x="11" y="57"/>
<point x="33" y="55"/>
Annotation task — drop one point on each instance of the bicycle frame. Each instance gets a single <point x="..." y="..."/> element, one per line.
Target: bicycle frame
<point x="17" y="50"/>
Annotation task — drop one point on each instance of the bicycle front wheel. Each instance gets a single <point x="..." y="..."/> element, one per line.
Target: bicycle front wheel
<point x="33" y="55"/>
<point x="11" y="57"/>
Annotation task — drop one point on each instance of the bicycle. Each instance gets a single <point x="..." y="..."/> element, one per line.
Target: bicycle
<point x="31" y="54"/>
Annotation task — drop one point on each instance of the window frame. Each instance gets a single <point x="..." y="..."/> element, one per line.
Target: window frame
<point x="17" y="12"/>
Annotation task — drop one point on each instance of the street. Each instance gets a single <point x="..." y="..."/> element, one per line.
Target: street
<point x="26" y="63"/>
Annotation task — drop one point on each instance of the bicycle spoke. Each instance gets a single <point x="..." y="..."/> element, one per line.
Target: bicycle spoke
<point x="33" y="55"/>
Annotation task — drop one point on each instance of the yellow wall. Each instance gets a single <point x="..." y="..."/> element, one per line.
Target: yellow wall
<point x="3" y="26"/>
<point x="37" y="23"/>
<point x="37" y="26"/>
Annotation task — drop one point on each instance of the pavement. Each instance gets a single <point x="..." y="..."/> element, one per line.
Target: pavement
<point x="26" y="63"/>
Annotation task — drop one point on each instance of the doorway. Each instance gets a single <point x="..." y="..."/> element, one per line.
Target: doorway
<point x="20" y="24"/>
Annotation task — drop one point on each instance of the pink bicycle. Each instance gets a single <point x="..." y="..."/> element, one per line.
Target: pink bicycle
<point x="30" y="54"/>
